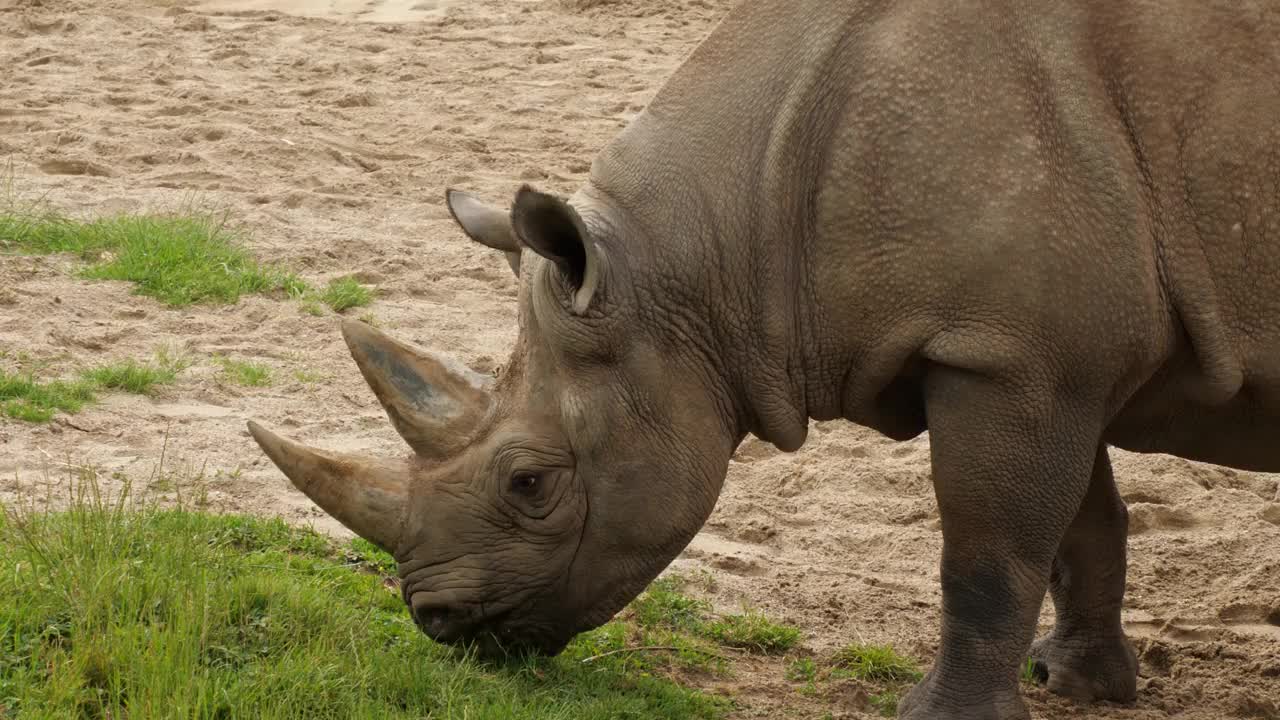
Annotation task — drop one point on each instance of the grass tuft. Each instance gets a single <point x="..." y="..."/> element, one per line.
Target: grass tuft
<point x="875" y="663"/>
<point x="886" y="702"/>
<point x="345" y="293"/>
<point x="132" y="376"/>
<point x="878" y="668"/>
<point x="371" y="556"/>
<point x="178" y="259"/>
<point x="802" y="670"/>
<point x="23" y="397"/>
<point x="308" y="377"/>
<point x="667" y="617"/>
<point x="311" y="306"/>
<point x="662" y="605"/>
<point x="754" y="632"/>
<point x="243" y="372"/>
<point x="117" y="609"/>
<point x="1030" y="673"/>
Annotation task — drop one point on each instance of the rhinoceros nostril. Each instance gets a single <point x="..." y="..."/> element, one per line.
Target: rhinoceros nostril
<point x="434" y="620"/>
<point x="440" y="622"/>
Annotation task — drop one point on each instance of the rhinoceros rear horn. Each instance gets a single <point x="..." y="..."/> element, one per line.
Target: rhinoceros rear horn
<point x="366" y="495"/>
<point x="436" y="405"/>
<point x="485" y="224"/>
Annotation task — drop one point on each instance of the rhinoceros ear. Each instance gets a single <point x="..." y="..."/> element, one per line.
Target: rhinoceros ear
<point x="552" y="228"/>
<point x="485" y="224"/>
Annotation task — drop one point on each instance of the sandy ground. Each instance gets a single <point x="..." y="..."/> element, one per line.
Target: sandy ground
<point x="332" y="127"/>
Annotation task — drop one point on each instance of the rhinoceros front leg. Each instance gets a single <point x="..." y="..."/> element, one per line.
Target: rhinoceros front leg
<point x="1011" y="465"/>
<point x="1087" y="656"/>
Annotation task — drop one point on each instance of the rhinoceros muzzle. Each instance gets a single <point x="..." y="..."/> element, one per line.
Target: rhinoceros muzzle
<point x="449" y="625"/>
<point x="490" y="636"/>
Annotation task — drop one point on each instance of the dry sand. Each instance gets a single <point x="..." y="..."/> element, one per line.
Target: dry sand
<point x="332" y="128"/>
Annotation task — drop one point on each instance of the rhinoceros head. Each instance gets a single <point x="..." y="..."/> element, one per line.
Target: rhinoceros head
<point x="536" y="505"/>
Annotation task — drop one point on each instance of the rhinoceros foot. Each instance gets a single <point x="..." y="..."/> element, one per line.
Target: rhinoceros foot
<point x="929" y="700"/>
<point x="1087" y="670"/>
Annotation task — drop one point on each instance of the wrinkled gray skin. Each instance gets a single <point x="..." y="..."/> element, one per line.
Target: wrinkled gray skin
<point x="1033" y="232"/>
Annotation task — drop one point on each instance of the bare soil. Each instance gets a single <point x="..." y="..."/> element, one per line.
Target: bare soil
<point x="332" y="127"/>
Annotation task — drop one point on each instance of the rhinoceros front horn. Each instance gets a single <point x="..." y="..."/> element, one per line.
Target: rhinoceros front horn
<point x="436" y="405"/>
<point x="366" y="495"/>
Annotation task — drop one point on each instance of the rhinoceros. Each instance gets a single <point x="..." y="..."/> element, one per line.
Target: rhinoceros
<point x="1033" y="230"/>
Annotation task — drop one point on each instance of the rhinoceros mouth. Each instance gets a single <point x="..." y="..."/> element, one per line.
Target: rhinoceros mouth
<point x="490" y="631"/>
<point x="449" y="622"/>
<point x="495" y="638"/>
<point x="439" y="626"/>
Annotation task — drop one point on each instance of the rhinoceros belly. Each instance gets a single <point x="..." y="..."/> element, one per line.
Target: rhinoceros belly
<point x="1243" y="432"/>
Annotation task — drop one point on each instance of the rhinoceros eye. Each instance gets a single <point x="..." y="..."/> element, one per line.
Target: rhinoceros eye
<point x="534" y="494"/>
<point x="525" y="483"/>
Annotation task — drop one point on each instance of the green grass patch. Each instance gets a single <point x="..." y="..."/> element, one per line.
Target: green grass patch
<point x="661" y="630"/>
<point x="178" y="259"/>
<point x="116" y="609"/>
<point x="135" y="377"/>
<point x="1030" y="673"/>
<point x="308" y="377"/>
<point x="23" y="397"/>
<point x="243" y="372"/>
<point x="754" y="632"/>
<point x="311" y="306"/>
<point x="345" y="293"/>
<point x="802" y="670"/>
<point x="371" y="556"/>
<point x="664" y="610"/>
<point x="881" y="666"/>
<point x="42" y="231"/>
<point x="886" y="702"/>
<point x="878" y="668"/>
<point x="875" y="663"/>
<point x="664" y="605"/>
